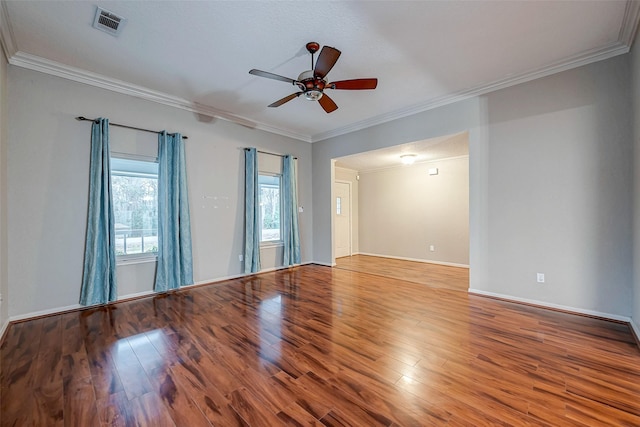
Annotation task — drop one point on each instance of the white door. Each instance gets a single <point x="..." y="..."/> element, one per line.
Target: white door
<point x="342" y="219"/>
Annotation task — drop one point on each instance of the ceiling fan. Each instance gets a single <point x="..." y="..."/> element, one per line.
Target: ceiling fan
<point x="312" y="83"/>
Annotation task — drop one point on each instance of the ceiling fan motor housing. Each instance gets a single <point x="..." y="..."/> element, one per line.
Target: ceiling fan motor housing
<point x="311" y="86"/>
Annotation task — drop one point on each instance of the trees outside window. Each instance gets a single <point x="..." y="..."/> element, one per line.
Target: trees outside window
<point x="269" y="186"/>
<point x="135" y="206"/>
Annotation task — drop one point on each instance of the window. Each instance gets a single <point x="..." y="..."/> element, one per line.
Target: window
<point x="269" y="186"/>
<point x="135" y="206"/>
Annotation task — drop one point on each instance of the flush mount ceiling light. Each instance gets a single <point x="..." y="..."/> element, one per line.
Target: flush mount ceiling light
<point x="408" y="159"/>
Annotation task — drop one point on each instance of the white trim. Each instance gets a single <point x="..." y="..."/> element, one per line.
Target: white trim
<point x="324" y="264"/>
<point x="349" y="183"/>
<point x="36" y="63"/>
<point x="45" y="312"/>
<point x="129" y="156"/>
<point x="7" y="38"/>
<point x="3" y="328"/>
<point x="625" y="39"/>
<point x="239" y="276"/>
<point x="609" y="316"/>
<point x="270" y="244"/>
<point x="630" y="23"/>
<point x="135" y="295"/>
<point x="131" y="259"/>
<point x="588" y="57"/>
<point x="33" y="62"/>
<point x="59" y="310"/>
<point x="427" y="261"/>
<point x="632" y="325"/>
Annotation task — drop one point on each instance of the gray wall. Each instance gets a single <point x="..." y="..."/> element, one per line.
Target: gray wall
<point x="635" y="91"/>
<point x="404" y="210"/>
<point x="4" y="281"/>
<point x="48" y="154"/>
<point x="550" y="185"/>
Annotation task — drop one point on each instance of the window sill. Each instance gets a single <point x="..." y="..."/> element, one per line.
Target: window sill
<point x="133" y="259"/>
<point x="267" y="245"/>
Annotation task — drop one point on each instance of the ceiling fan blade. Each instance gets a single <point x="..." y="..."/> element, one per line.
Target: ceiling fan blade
<point x="327" y="59"/>
<point x="327" y="103"/>
<point x="285" y="99"/>
<point x="268" y="75"/>
<point x="355" y="84"/>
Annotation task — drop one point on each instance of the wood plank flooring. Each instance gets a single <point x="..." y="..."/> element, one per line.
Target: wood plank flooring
<point x="318" y="346"/>
<point x="434" y="275"/>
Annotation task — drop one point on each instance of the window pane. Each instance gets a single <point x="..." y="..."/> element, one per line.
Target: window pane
<point x="269" y="207"/>
<point x="338" y="206"/>
<point x="135" y="206"/>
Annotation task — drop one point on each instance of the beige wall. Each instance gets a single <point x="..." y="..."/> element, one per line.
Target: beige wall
<point x="350" y="175"/>
<point x="404" y="210"/>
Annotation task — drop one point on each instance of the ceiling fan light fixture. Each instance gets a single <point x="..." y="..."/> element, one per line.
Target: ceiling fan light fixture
<point x="313" y="95"/>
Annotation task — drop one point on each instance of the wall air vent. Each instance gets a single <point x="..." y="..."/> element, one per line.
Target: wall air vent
<point x="108" y="22"/>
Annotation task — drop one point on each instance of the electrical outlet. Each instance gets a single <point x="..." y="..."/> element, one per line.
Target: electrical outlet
<point x="540" y="277"/>
<point x="432" y="248"/>
<point x="240" y="257"/>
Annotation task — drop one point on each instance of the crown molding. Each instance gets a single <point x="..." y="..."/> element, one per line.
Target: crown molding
<point x="7" y="39"/>
<point x="626" y="37"/>
<point x="584" y="58"/>
<point x="630" y="23"/>
<point x="37" y="63"/>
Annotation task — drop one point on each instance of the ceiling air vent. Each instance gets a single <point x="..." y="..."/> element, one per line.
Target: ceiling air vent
<point x="108" y="22"/>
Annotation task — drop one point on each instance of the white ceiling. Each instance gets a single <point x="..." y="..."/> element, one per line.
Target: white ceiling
<point x="196" y="55"/>
<point x="428" y="150"/>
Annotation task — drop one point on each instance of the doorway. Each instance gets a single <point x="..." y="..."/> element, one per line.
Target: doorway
<point x="402" y="211"/>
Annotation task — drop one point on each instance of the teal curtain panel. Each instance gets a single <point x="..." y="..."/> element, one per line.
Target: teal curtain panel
<point x="251" y="212"/>
<point x="175" y="260"/>
<point x="291" y="232"/>
<point x="99" y="274"/>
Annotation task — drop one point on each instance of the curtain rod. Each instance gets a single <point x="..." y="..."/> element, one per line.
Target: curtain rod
<point x="271" y="154"/>
<point x="81" y="118"/>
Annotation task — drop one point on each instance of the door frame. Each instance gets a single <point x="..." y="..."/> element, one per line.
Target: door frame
<point x="334" y="207"/>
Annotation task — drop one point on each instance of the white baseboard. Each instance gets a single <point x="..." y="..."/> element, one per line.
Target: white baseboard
<point x="142" y="294"/>
<point x="632" y="323"/>
<point x="136" y="295"/>
<point x="45" y="312"/>
<point x="238" y="276"/>
<point x="325" y="264"/>
<point x="576" y="310"/>
<point x="427" y="261"/>
<point x="3" y="329"/>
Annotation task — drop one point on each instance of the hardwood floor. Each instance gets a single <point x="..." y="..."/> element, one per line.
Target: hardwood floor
<point x="434" y="275"/>
<point x="314" y="345"/>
